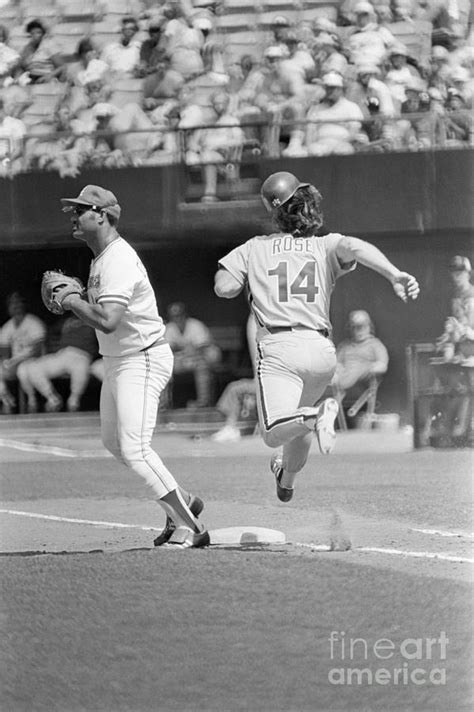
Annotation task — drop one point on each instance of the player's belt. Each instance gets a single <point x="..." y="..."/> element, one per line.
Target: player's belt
<point x="158" y="342"/>
<point x="280" y="329"/>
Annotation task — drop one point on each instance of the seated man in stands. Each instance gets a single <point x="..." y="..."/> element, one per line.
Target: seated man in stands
<point x="21" y="338"/>
<point x="40" y="59"/>
<point x="8" y="57"/>
<point x="76" y="350"/>
<point x="360" y="358"/>
<point x="337" y="126"/>
<point x="217" y="147"/>
<point x="123" y="56"/>
<point x="193" y="349"/>
<point x="12" y="132"/>
<point x="368" y="41"/>
<point x="238" y="401"/>
<point x="280" y="97"/>
<point x="421" y="130"/>
<point x="452" y="422"/>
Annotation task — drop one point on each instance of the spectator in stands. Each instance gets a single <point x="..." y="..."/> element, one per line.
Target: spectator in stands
<point x="299" y="59"/>
<point x="40" y="60"/>
<point x="238" y="401"/>
<point x="184" y="42"/>
<point x="459" y="326"/>
<point x="218" y="147"/>
<point x="327" y="55"/>
<point x="22" y="337"/>
<point x="76" y="349"/>
<point x="278" y="29"/>
<point x="153" y="59"/>
<point x="62" y="150"/>
<point x="369" y="41"/>
<point x="87" y="68"/>
<point x="457" y="120"/>
<point x="337" y="121"/>
<point x="461" y="81"/>
<point x="193" y="349"/>
<point x="360" y="358"/>
<point x="8" y="57"/>
<point x="280" y="96"/>
<point x="399" y="74"/>
<point x="369" y="85"/>
<point x="419" y="131"/>
<point x="123" y="56"/>
<point x="324" y="24"/>
<point x="12" y="133"/>
<point x="440" y="66"/>
<point x="457" y="346"/>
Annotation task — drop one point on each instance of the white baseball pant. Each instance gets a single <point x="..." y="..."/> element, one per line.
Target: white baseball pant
<point x="294" y="369"/>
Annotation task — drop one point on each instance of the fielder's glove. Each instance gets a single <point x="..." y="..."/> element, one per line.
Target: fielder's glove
<point x="56" y="286"/>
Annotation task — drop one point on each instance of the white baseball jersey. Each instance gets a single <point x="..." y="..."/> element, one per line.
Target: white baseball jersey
<point x="290" y="278"/>
<point x="117" y="275"/>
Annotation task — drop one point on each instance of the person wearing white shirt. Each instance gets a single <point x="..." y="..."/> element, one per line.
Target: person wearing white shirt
<point x="337" y="121"/>
<point x="121" y="306"/>
<point x="123" y="57"/>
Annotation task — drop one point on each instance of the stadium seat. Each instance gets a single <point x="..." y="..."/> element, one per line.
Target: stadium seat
<point x="105" y="32"/>
<point x="69" y="34"/>
<point x="78" y="10"/>
<point x="18" y="37"/>
<point x="119" y="8"/>
<point x="236" y="23"/>
<point x="10" y="15"/>
<point x="311" y="9"/>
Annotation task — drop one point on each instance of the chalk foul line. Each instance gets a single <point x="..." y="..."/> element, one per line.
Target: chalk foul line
<point x="90" y="522"/>
<point x="313" y="547"/>
<point x="394" y="552"/>
<point x="51" y="449"/>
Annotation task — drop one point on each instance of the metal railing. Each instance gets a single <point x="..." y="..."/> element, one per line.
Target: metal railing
<point x="406" y="132"/>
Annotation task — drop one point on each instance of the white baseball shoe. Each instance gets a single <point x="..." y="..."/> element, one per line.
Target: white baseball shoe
<point x="227" y="434"/>
<point x="184" y="538"/>
<point x="196" y="505"/>
<point x="324" y="429"/>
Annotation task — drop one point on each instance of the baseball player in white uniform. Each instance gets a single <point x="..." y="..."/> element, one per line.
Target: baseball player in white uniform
<point x="138" y="361"/>
<point x="290" y="276"/>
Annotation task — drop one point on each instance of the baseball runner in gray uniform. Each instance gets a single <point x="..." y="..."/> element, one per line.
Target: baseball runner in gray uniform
<point x="290" y="276"/>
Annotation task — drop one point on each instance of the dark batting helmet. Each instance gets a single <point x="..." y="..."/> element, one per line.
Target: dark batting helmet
<point x="279" y="188"/>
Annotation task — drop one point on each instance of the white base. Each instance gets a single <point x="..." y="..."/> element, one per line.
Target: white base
<point x="246" y="536"/>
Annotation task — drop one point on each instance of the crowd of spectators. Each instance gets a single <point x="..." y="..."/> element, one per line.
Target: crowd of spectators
<point x="168" y="88"/>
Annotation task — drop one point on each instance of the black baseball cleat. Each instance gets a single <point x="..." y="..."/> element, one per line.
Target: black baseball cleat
<point x="284" y="494"/>
<point x="184" y="538"/>
<point x="196" y="505"/>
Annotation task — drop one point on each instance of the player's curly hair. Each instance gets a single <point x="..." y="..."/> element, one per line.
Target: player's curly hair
<point x="302" y="214"/>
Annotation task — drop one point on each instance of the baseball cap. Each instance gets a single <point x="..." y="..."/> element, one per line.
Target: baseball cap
<point x="399" y="48"/>
<point x="275" y="51"/>
<point x="368" y="68"/>
<point x="281" y="21"/>
<point x="359" y="317"/>
<point x="333" y="79"/>
<point x="363" y="7"/>
<point x="103" y="108"/>
<point x="95" y="196"/>
<point x="458" y="263"/>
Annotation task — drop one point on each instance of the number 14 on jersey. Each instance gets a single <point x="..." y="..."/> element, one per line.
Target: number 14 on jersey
<point x="304" y="284"/>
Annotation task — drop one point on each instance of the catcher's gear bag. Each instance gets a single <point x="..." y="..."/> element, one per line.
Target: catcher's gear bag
<point x="279" y="188"/>
<point x="56" y="286"/>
